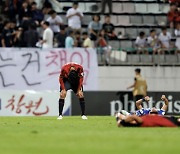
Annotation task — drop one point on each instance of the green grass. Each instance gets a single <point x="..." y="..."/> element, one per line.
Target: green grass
<point x="97" y="135"/>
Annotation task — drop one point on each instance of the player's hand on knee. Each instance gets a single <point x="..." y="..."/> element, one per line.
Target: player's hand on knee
<point x="63" y="93"/>
<point x="79" y="94"/>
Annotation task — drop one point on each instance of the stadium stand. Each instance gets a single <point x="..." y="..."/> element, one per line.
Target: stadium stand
<point x="130" y="17"/>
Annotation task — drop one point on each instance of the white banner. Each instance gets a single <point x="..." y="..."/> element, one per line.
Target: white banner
<point x="32" y="103"/>
<point x="38" y="69"/>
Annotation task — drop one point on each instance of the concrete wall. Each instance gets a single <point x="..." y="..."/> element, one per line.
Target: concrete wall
<point x="158" y="78"/>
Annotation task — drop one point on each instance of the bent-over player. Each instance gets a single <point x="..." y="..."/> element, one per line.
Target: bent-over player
<point x="71" y="77"/>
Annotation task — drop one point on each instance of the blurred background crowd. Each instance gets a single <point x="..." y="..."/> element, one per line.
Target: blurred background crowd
<point x="35" y="23"/>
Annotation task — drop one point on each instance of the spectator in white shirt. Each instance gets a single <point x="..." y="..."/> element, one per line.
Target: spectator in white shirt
<point x="141" y="43"/>
<point x="74" y="16"/>
<point x="55" y="21"/>
<point x="153" y="42"/>
<point x="47" y="41"/>
<point x="165" y="40"/>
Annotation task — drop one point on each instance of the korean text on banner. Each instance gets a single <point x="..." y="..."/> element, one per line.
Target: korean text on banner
<point x="38" y="69"/>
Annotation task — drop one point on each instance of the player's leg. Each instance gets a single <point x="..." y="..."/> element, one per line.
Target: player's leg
<point x="62" y="98"/>
<point x="80" y="95"/>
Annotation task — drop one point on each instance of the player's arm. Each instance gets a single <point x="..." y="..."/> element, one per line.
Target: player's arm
<point x="3" y="42"/>
<point x="61" y="76"/>
<point x="79" y="90"/>
<point x="140" y="101"/>
<point x="132" y="118"/>
<point x="81" y="77"/>
<point x="165" y="105"/>
<point x="69" y="14"/>
<point x="146" y="85"/>
<point x="133" y="85"/>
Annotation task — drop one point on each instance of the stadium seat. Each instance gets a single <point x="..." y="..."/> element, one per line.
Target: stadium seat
<point x="131" y="32"/>
<point x="140" y="8"/>
<point x="88" y="7"/>
<point x="133" y="59"/>
<point x="136" y="19"/>
<point x="114" y="19"/>
<point x="164" y="8"/>
<point x="128" y="7"/>
<point x="126" y="45"/>
<point x="102" y="19"/>
<point x="114" y="44"/>
<point x="158" y="31"/>
<point x="148" y="20"/>
<point x="63" y="16"/>
<point x="117" y="7"/>
<point x="118" y="29"/>
<point x="86" y="19"/>
<point x="66" y="5"/>
<point x="82" y="6"/>
<point x="171" y="31"/>
<point x="123" y="20"/>
<point x="158" y="59"/>
<point x="171" y="59"/>
<point x="161" y="20"/>
<point x="146" y="59"/>
<point x="153" y="8"/>
<point x="178" y="57"/>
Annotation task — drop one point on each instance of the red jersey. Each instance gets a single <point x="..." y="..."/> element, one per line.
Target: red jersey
<point x="65" y="72"/>
<point x="156" y="120"/>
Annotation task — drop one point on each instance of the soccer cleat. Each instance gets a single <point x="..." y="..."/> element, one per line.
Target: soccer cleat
<point x="60" y="117"/>
<point x="124" y="112"/>
<point x="84" y="117"/>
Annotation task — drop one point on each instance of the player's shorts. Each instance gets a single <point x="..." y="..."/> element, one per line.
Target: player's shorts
<point x="69" y="86"/>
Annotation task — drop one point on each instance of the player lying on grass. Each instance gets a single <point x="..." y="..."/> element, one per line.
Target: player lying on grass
<point x="71" y="77"/>
<point x="142" y="111"/>
<point x="149" y="120"/>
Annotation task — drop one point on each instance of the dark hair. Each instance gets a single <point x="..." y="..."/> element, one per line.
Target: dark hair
<point x="46" y="23"/>
<point x="172" y="4"/>
<point x="62" y="27"/>
<point x="70" y="32"/>
<point x="152" y="30"/>
<point x="32" y="26"/>
<point x="107" y="16"/>
<point x="52" y="12"/>
<point x="77" y="33"/>
<point x="99" y="18"/>
<point x="73" y="77"/>
<point x="138" y="70"/>
<point x="75" y="3"/>
<point x="141" y="33"/>
<point x="6" y="22"/>
<point x="163" y="28"/>
<point x="33" y="3"/>
<point x="84" y="33"/>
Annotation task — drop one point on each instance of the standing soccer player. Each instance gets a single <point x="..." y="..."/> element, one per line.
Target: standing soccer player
<point x="71" y="77"/>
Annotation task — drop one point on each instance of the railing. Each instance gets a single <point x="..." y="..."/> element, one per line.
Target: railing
<point x="120" y="57"/>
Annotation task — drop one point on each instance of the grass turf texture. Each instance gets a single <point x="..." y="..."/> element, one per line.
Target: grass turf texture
<point x="97" y="135"/>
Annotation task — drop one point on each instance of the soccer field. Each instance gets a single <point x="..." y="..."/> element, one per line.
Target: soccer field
<point x="97" y="135"/>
